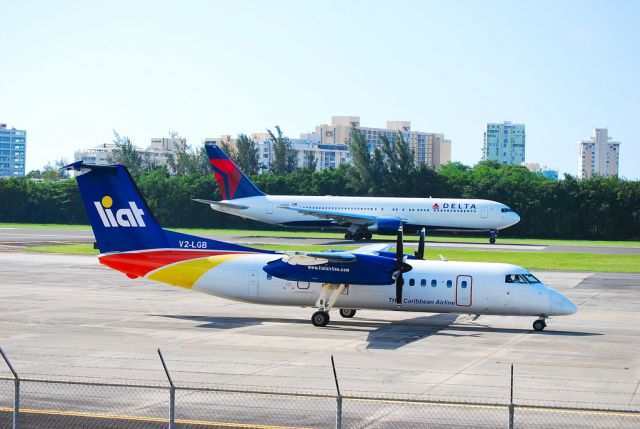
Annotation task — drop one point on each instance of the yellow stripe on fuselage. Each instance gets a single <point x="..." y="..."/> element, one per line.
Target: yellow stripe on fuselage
<point x="186" y="273"/>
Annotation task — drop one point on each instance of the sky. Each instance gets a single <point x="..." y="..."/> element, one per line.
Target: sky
<point x="71" y="72"/>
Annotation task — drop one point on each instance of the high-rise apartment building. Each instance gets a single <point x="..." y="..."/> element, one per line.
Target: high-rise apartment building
<point x="504" y="143"/>
<point x="598" y="155"/>
<point x="13" y="151"/>
<point x="328" y="143"/>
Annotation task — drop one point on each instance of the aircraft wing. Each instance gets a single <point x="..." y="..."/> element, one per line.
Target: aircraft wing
<point x="221" y="204"/>
<point x="339" y="217"/>
<point x="318" y="258"/>
<point x="374" y="248"/>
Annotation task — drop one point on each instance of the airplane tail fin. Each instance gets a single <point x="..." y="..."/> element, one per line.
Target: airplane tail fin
<point x="233" y="183"/>
<point x="121" y="219"/>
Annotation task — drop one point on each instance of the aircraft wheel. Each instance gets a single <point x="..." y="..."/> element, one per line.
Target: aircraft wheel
<point x="347" y="312"/>
<point x="539" y="325"/>
<point x="320" y="318"/>
<point x="492" y="240"/>
<point x="368" y="235"/>
<point x="348" y="236"/>
<point x="358" y="236"/>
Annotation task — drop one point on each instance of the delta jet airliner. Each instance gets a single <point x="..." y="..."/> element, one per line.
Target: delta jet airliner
<point x="372" y="277"/>
<point x="361" y="216"/>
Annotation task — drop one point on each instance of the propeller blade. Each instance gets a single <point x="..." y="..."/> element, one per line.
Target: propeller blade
<point x="420" y="252"/>
<point x="399" y="249"/>
<point x="399" y="284"/>
<point x="399" y="267"/>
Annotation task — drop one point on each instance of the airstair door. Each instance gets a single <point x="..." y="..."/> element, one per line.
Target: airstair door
<point x="464" y="286"/>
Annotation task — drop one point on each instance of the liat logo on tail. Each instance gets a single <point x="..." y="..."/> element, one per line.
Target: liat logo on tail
<point x="131" y="217"/>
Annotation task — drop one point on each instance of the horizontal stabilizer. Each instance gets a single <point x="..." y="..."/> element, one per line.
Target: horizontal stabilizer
<point x="221" y="204"/>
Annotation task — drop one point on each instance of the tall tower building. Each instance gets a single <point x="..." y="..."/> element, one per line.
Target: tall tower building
<point x="598" y="155"/>
<point x="13" y="144"/>
<point x="504" y="143"/>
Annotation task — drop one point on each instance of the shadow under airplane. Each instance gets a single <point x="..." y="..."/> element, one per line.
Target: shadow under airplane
<point x="382" y="334"/>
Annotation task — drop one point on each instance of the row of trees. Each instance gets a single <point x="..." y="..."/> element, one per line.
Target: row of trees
<point x="595" y="208"/>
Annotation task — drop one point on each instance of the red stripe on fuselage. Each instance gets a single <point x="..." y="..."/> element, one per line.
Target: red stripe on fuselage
<point x="139" y="264"/>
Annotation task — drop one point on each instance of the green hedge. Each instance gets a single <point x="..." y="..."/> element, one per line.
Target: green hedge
<point x="595" y="208"/>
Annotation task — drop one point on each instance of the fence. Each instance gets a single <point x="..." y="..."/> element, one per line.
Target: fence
<point x="39" y="403"/>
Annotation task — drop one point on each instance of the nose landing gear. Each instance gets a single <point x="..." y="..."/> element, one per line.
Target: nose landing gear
<point x="492" y="237"/>
<point x="540" y="324"/>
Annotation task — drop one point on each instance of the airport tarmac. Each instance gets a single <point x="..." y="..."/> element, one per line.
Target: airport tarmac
<point x="70" y="317"/>
<point x="15" y="238"/>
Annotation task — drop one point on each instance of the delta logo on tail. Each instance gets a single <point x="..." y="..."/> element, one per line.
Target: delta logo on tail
<point x="131" y="217"/>
<point x="227" y="175"/>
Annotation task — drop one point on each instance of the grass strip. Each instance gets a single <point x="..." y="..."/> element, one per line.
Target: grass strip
<point x="284" y="232"/>
<point x="528" y="260"/>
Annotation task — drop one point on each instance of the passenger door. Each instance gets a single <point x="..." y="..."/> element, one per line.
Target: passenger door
<point x="269" y="208"/>
<point x="464" y="286"/>
<point x="483" y="212"/>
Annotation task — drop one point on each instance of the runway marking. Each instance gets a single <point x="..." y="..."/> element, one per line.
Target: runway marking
<point x="145" y="419"/>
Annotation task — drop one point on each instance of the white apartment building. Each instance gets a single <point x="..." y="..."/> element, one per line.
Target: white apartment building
<point x="504" y="143"/>
<point x="328" y="143"/>
<point x="545" y="171"/>
<point x="158" y="152"/>
<point x="598" y="155"/>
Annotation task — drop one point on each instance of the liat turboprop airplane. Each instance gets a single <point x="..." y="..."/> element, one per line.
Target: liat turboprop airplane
<point x="371" y="277"/>
<point x="361" y="216"/>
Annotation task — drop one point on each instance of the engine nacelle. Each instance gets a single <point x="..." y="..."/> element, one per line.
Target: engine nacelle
<point x="367" y="269"/>
<point x="386" y="226"/>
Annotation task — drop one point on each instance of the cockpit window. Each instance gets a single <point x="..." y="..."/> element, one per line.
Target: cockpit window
<point x="531" y="278"/>
<point x="506" y="210"/>
<point x="514" y="278"/>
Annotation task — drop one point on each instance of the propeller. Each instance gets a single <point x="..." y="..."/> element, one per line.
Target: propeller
<point x="399" y="267"/>
<point x="420" y="252"/>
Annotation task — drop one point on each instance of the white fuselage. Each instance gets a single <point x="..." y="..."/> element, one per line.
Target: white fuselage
<point x="451" y="213"/>
<point x="431" y="286"/>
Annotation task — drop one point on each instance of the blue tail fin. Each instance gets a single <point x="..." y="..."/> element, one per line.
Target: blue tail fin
<point x="121" y="219"/>
<point x="233" y="183"/>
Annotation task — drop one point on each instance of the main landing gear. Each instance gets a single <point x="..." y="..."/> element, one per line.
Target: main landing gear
<point x="347" y="313"/>
<point x="540" y="324"/>
<point x="358" y="235"/>
<point x="332" y="291"/>
<point x="320" y="318"/>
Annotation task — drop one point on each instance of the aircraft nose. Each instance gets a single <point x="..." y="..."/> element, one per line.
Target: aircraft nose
<point x="516" y="218"/>
<point x="562" y="306"/>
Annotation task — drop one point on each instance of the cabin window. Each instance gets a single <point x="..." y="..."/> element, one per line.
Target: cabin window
<point x="463" y="284"/>
<point x="434" y="283"/>
<point x="412" y="282"/>
<point x="423" y="282"/>
<point x="449" y="283"/>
